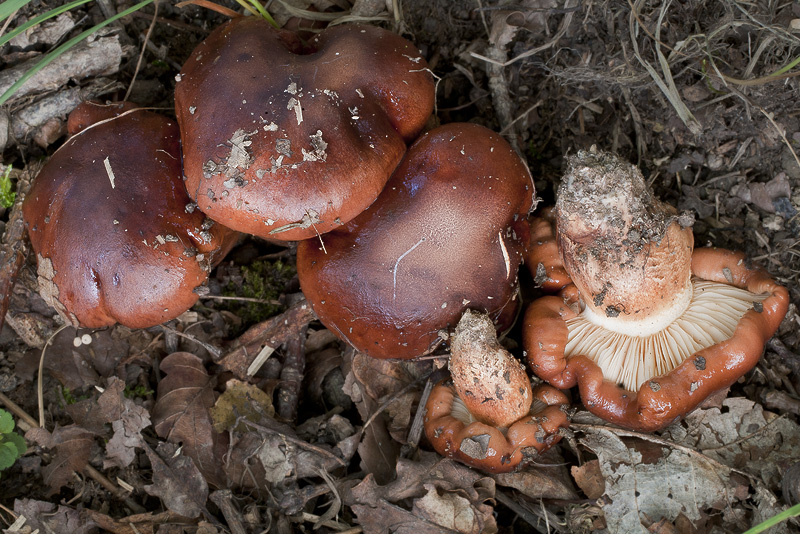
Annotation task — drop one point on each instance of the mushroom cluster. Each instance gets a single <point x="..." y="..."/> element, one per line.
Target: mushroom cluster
<point x="644" y="325"/>
<point x="290" y="140"/>
<point x="274" y="137"/>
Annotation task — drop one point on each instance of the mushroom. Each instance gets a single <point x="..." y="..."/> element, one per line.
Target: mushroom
<point x="647" y="328"/>
<point x="287" y="142"/>
<point x="487" y="416"/>
<point x="447" y="233"/>
<point x="116" y="237"/>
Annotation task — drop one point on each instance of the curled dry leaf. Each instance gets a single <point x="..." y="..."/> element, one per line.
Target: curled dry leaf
<point x="127" y="420"/>
<point x="445" y="496"/>
<point x="177" y="481"/>
<point x="743" y="436"/>
<point x="71" y="447"/>
<point x="48" y="517"/>
<point x="181" y="414"/>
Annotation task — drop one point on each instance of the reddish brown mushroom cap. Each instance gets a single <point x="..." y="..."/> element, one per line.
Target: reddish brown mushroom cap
<point x="447" y="234"/>
<point x="543" y="259"/>
<point x="712" y="335"/>
<point x="288" y="142"/>
<point x="116" y="237"/>
<point x="485" y="446"/>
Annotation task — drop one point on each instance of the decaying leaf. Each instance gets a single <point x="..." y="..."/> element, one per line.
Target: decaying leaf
<point x="444" y="495"/>
<point x="653" y="482"/>
<point x="49" y="517"/>
<point x="181" y="414"/>
<point x="240" y="400"/>
<point x="127" y="420"/>
<point x="546" y="478"/>
<point x="177" y="481"/>
<point x="71" y="447"/>
<point x="742" y="435"/>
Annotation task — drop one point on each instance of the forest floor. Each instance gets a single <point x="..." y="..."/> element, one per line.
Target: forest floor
<point x="696" y="93"/>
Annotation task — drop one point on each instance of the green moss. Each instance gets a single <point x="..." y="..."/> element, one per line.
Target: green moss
<point x="262" y="280"/>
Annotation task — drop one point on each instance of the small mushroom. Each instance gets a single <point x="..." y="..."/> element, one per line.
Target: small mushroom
<point x="487" y="416"/>
<point x="287" y="141"/>
<point x="447" y="234"/>
<point x="647" y="328"/>
<point x="116" y="237"/>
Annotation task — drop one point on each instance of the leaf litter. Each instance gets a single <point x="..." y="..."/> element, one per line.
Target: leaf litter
<point x="191" y="436"/>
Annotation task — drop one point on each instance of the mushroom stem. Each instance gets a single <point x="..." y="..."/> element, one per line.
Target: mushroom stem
<point x="492" y="384"/>
<point x="628" y="254"/>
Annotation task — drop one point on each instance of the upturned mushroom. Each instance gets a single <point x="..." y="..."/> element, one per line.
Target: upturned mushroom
<point x="487" y="416"/>
<point x="287" y="141"/>
<point x="645" y="326"/>
<point x="116" y="237"/>
<point x="447" y="233"/>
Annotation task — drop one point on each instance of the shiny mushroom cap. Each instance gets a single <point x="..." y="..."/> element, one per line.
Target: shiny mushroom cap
<point x="287" y="141"/>
<point x="116" y="237"/>
<point x="487" y="415"/>
<point x="446" y="234"/>
<point x="648" y="328"/>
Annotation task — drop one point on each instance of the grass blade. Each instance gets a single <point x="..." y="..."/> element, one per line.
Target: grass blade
<point x="47" y="59"/>
<point x="41" y="18"/>
<point x="9" y="7"/>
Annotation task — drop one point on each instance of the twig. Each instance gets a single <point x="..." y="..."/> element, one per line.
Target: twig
<point x="299" y="442"/>
<point x="14" y="248"/>
<point x="273" y="332"/>
<point x="525" y="514"/>
<point x="223" y="499"/>
<point x="294" y="365"/>
<point x="26" y="422"/>
<point x="141" y="54"/>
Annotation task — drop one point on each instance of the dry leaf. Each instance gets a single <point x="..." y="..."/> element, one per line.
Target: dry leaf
<point x="240" y="399"/>
<point x="744" y="436"/>
<point x="49" y="517"/>
<point x="127" y="420"/>
<point x="589" y="478"/>
<point x="177" y="481"/>
<point x="71" y="446"/>
<point x="655" y="483"/>
<point x="181" y="414"/>
<point x="435" y="486"/>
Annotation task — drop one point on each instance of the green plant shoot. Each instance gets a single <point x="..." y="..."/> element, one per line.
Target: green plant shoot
<point x="7" y="196"/>
<point x="12" y="445"/>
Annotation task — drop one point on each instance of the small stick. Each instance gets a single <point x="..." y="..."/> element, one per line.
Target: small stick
<point x="223" y="499"/>
<point x="294" y="364"/>
<point x="273" y="332"/>
<point x="14" y="248"/>
<point x="26" y="422"/>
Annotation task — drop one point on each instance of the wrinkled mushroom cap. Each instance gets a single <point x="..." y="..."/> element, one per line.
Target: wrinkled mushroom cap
<point x="116" y="237"/>
<point x="288" y="142"/>
<point x="446" y="234"/>
<point x="644" y="365"/>
<point x="453" y="433"/>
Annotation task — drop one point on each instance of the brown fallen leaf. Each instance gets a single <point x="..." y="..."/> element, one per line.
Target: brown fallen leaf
<point x="589" y="478"/>
<point x="49" y="517"/>
<point x="146" y="523"/>
<point x="177" y="481"/>
<point x="71" y="447"/>
<point x="240" y="399"/>
<point x="443" y="495"/>
<point x="127" y="421"/>
<point x="181" y="414"/>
